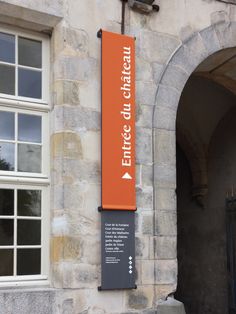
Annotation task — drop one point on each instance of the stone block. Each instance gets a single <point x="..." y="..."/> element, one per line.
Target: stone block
<point x="144" y="198"/>
<point x="70" y="41"/>
<point x="65" y="248"/>
<point x="66" y="92"/>
<point x="147" y="222"/>
<point x="145" y="92"/>
<point x="164" y="118"/>
<point x="167" y="97"/>
<point x="170" y="306"/>
<point x="165" y="199"/>
<point x="164" y="146"/>
<point x="148" y="272"/>
<point x="210" y="40"/>
<point x="226" y="34"/>
<point x="146" y="175"/>
<point x="140" y="299"/>
<point x="66" y="145"/>
<point x="165" y="247"/>
<point x="26" y="301"/>
<point x="175" y="77"/>
<point x="91" y="145"/>
<point x="142" y="247"/>
<point x="143" y="70"/>
<point x="76" y="119"/>
<point x="162" y="291"/>
<point x="165" y="175"/>
<point x="157" y="47"/>
<point x="144" y="115"/>
<point x="74" y="68"/>
<point x="166" y="271"/>
<point x="157" y="71"/>
<point x="143" y="145"/>
<point x="165" y="223"/>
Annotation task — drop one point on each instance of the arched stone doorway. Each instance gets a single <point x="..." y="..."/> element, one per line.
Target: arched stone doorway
<point x="181" y="66"/>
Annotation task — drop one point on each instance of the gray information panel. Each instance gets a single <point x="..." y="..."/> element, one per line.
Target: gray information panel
<point x="118" y="250"/>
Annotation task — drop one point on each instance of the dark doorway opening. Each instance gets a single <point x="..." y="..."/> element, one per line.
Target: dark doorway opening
<point x="206" y="173"/>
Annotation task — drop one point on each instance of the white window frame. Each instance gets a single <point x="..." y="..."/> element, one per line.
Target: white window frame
<point x="26" y="180"/>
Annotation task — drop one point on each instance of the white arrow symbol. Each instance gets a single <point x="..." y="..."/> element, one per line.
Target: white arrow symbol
<point x="130" y="267"/>
<point x="130" y="272"/>
<point x="127" y="176"/>
<point x="130" y="257"/>
<point x="130" y="262"/>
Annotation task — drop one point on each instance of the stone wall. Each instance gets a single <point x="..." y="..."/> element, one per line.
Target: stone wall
<point x="169" y="44"/>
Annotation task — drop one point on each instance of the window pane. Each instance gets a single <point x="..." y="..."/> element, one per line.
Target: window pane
<point x="7" y="48"/>
<point x="29" y="158"/>
<point x="6" y="262"/>
<point x="7" y="156"/>
<point x="7" y="79"/>
<point x="29" y="203"/>
<point x="30" y="52"/>
<point x="28" y="261"/>
<point x="30" y="83"/>
<point x="29" y="128"/>
<point x="6" y="202"/>
<point x="28" y="232"/>
<point x="7" y="125"/>
<point x="6" y="231"/>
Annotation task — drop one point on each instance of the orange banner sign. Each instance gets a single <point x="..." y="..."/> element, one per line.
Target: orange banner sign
<point x="118" y="122"/>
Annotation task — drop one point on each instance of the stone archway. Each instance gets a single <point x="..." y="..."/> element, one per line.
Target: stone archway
<point x="184" y="61"/>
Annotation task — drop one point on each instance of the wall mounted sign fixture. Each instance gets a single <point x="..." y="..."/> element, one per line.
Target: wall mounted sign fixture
<point x="118" y="161"/>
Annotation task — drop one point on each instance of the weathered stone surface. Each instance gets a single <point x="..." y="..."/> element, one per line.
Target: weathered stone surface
<point x="163" y="141"/>
<point x="146" y="175"/>
<point x="164" y="118"/>
<point x="164" y="290"/>
<point x="140" y="299"/>
<point x="65" y="248"/>
<point x="210" y="39"/>
<point x="66" y="92"/>
<point x="226" y="34"/>
<point x="144" y="197"/>
<point x="156" y="47"/>
<point x="157" y="70"/>
<point x="146" y="92"/>
<point x="74" y="68"/>
<point x="166" y="271"/>
<point x="148" y="272"/>
<point x="165" y="199"/>
<point x="147" y="222"/>
<point x="142" y="247"/>
<point x="91" y="145"/>
<point x="170" y="306"/>
<point x="175" y="77"/>
<point x="143" y="145"/>
<point x="165" y="247"/>
<point x="165" y="175"/>
<point x="26" y="301"/>
<point x="144" y="114"/>
<point x="167" y="97"/>
<point x="143" y="70"/>
<point x="66" y="144"/>
<point x="76" y="119"/>
<point x="165" y="224"/>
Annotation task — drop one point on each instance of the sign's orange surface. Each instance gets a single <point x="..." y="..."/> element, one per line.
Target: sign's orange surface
<point x="118" y="122"/>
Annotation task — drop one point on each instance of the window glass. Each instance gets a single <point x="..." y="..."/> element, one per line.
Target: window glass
<point x="28" y="232"/>
<point x="29" y="158"/>
<point x="30" y="83"/>
<point x="7" y="156"/>
<point x="28" y="203"/>
<point x="30" y="52"/>
<point x="7" y="48"/>
<point x="28" y="261"/>
<point x="6" y="262"/>
<point x="6" y="202"/>
<point x="7" y="125"/>
<point x="6" y="231"/>
<point x="7" y="79"/>
<point x="29" y="128"/>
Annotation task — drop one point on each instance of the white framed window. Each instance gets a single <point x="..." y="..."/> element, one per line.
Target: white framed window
<point x="24" y="157"/>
